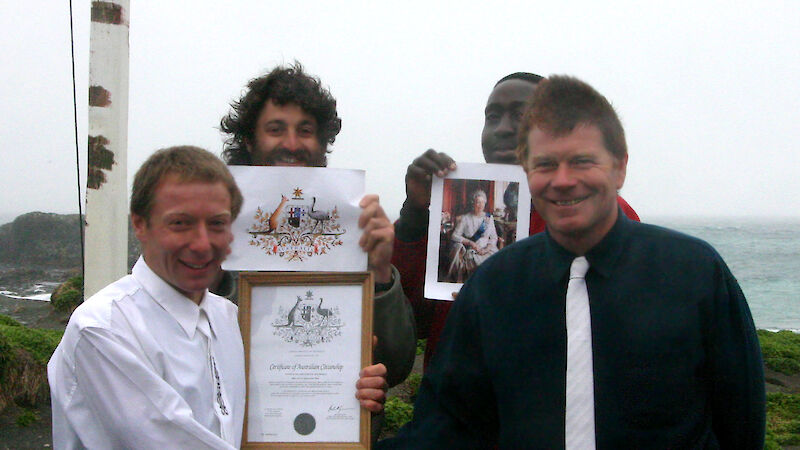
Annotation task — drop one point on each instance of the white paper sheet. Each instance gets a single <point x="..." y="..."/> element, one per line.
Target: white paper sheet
<point x="298" y="219"/>
<point x="508" y="211"/>
<point x="305" y="355"/>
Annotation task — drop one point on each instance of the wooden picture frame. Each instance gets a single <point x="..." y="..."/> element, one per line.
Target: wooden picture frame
<point x="291" y="375"/>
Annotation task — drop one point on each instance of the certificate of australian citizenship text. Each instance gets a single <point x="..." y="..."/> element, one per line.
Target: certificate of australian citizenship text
<point x="305" y="356"/>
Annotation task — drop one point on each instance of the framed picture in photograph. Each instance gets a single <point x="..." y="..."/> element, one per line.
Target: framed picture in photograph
<point x="475" y="211"/>
<point x="306" y="337"/>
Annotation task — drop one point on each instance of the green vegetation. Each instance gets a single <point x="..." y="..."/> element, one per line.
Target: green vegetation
<point x="27" y="417"/>
<point x="39" y="343"/>
<point x="413" y="381"/>
<point x="5" y="320"/>
<point x="398" y="412"/>
<point x="783" y="420"/>
<point x="421" y="346"/>
<point x="24" y="353"/>
<point x="68" y="295"/>
<point x="781" y="351"/>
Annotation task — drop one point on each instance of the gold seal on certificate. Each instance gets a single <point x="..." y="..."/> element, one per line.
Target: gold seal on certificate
<point x="307" y="335"/>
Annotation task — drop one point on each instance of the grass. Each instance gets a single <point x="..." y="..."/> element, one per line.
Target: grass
<point x="783" y="420"/>
<point x="27" y="417"/>
<point x="781" y="351"/>
<point x="24" y="353"/>
<point x="68" y="295"/>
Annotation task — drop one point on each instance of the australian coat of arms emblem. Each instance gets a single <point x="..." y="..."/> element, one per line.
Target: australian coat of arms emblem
<point x="295" y="229"/>
<point x="307" y="323"/>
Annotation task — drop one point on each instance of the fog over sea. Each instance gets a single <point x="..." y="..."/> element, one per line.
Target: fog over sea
<point x="764" y="256"/>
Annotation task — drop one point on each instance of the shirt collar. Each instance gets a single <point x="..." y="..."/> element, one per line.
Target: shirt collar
<point x="602" y="257"/>
<point x="180" y="307"/>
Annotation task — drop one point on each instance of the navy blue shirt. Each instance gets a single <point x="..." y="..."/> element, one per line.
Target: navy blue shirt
<point x="677" y="362"/>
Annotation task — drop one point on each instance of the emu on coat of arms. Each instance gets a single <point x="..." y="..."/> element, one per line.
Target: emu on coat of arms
<point x="295" y="230"/>
<point x="307" y="323"/>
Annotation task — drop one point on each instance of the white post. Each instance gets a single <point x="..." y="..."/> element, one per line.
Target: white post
<point x="107" y="186"/>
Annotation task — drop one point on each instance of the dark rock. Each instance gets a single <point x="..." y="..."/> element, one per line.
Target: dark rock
<point x="48" y="241"/>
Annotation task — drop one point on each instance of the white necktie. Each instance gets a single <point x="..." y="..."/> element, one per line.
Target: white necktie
<point x="579" y="424"/>
<point x="220" y="402"/>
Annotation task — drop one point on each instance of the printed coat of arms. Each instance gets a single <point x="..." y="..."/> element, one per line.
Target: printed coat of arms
<point x="307" y="323"/>
<point x="296" y="230"/>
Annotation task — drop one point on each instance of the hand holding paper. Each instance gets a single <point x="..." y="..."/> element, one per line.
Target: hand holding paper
<point x="377" y="237"/>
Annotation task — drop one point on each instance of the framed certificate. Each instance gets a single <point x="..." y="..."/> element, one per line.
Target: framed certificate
<point x="306" y="337"/>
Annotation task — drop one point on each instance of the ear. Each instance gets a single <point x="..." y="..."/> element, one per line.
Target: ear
<point x="139" y="226"/>
<point x="622" y="167"/>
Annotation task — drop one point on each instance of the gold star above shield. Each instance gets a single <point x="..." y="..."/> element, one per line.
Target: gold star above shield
<point x="298" y="193"/>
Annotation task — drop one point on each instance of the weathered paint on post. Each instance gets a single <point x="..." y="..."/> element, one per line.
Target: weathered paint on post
<point x="107" y="185"/>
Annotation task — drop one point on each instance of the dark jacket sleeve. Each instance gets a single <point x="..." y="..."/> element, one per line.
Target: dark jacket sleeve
<point x="737" y="373"/>
<point x="394" y="326"/>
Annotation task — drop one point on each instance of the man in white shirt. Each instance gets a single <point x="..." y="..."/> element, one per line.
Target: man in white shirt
<point x="154" y="360"/>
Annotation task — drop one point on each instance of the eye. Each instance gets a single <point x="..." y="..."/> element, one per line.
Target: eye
<point x="307" y="131"/>
<point x="178" y="224"/>
<point x="582" y="162"/>
<point x="544" y="165"/>
<point x="492" y="117"/>
<point x="273" y="128"/>
<point x="219" y="224"/>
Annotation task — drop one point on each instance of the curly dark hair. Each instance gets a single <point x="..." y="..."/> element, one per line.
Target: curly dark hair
<point x="282" y="85"/>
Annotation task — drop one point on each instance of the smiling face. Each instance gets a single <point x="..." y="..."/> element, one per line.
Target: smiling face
<point x="502" y="116"/>
<point x="187" y="235"/>
<point x="573" y="181"/>
<point x="285" y="135"/>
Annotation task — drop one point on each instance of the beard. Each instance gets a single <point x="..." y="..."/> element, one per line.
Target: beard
<point x="281" y="156"/>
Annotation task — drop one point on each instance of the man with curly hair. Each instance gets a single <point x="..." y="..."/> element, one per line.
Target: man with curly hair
<point x="257" y="122"/>
<point x="287" y="118"/>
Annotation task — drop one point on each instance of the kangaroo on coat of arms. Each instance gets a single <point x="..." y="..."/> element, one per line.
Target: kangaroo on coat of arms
<point x="307" y="323"/>
<point x="295" y="230"/>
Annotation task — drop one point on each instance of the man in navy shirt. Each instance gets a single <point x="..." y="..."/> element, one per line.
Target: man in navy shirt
<point x="672" y="357"/>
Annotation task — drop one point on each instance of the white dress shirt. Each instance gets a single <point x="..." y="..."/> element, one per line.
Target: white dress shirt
<point x="135" y="370"/>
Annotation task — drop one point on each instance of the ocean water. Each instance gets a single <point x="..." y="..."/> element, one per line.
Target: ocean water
<point x="764" y="256"/>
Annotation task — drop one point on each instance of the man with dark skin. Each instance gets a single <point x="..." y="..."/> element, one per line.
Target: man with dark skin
<point x="602" y="333"/>
<point x="499" y="142"/>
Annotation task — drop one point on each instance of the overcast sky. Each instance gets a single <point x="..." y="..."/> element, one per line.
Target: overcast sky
<point x="708" y="92"/>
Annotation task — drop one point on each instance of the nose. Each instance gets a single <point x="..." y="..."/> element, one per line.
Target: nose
<point x="506" y="126"/>
<point x="201" y="242"/>
<point x="563" y="178"/>
<point x="291" y="141"/>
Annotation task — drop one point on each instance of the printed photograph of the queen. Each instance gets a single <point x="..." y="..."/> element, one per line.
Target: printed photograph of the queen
<point x="479" y="217"/>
